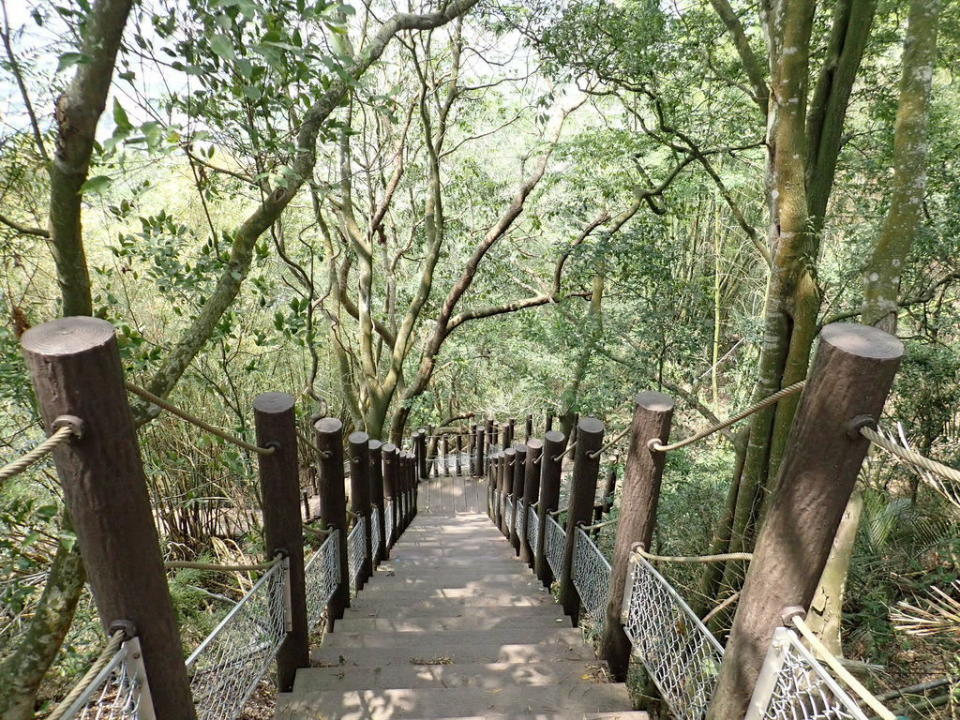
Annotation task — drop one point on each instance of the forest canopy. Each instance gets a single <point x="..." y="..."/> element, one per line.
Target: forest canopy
<point x="415" y="215"/>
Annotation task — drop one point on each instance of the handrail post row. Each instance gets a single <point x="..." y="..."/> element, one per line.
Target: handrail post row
<point x="377" y="498"/>
<point x="848" y="384"/>
<point x="531" y="491"/>
<point x="583" y="490"/>
<point x="333" y="506"/>
<point x="551" y="465"/>
<point x="391" y="490"/>
<point x="275" y="421"/>
<point x="360" y="498"/>
<point x="652" y="417"/>
<point x="509" y="460"/>
<point x="75" y="366"/>
<point x="519" y="469"/>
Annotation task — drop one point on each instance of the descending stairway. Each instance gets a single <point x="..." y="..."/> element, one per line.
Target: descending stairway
<point x="454" y="626"/>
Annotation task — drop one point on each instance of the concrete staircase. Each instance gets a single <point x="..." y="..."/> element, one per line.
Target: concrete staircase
<point x="454" y="626"/>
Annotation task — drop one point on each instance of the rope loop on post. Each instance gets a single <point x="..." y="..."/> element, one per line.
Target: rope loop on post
<point x="911" y="457"/>
<point x="656" y="445"/>
<point x="192" y="419"/>
<point x="59" y="436"/>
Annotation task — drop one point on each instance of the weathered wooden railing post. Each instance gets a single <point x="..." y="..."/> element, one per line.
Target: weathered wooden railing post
<point x="445" y="445"/>
<point x="496" y="482"/>
<point x="333" y="506"/>
<point x="529" y="428"/>
<point x="481" y="453"/>
<point x="583" y="490"/>
<point x="652" y="416"/>
<point x="492" y="485"/>
<point x="75" y="366"/>
<point x="491" y="434"/>
<point x="391" y="490"/>
<point x="551" y="464"/>
<point x="360" y="497"/>
<point x="519" y="470"/>
<point x="275" y="422"/>
<point x="531" y="492"/>
<point x="414" y="488"/>
<point x="511" y="432"/>
<point x="377" y="499"/>
<point x="548" y="425"/>
<point x="609" y="489"/>
<point x="847" y="386"/>
<point x="509" y="460"/>
<point x="403" y="501"/>
<point x="458" y="449"/>
<point x="433" y="449"/>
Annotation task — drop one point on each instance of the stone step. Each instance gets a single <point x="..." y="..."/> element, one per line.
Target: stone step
<point x="433" y="624"/>
<point x="361" y="618"/>
<point x="502" y="595"/>
<point x="435" y="650"/>
<point x="428" y="578"/>
<point x="489" y="677"/>
<point x="447" y="605"/>
<point x="455" y="638"/>
<point x="624" y="715"/>
<point x="511" y="701"/>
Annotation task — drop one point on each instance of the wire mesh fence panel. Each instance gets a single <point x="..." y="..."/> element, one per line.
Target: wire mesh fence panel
<point x="591" y="576"/>
<point x="321" y="575"/>
<point x="118" y="692"/>
<point x="356" y="542"/>
<point x="533" y="528"/>
<point x="793" y="685"/>
<point x="680" y="654"/>
<point x="508" y="511"/>
<point x="388" y="520"/>
<point x="227" y="666"/>
<point x="375" y="533"/>
<point x="556" y="540"/>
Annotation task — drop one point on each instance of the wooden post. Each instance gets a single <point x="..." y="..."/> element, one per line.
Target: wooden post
<point x="333" y="506"/>
<point x="75" y="366"/>
<point x="422" y="453"/>
<point x="548" y="426"/>
<point x="506" y="468"/>
<point x="583" y="490"/>
<point x="531" y="493"/>
<point x="275" y="422"/>
<point x="501" y="459"/>
<point x="554" y="443"/>
<point x="652" y="416"/>
<point x="519" y="469"/>
<point x="435" y="445"/>
<point x="481" y="452"/>
<point x="446" y="455"/>
<point x="849" y="381"/>
<point x="377" y="498"/>
<point x="360" y="497"/>
<point x="390" y="488"/>
<point x="459" y="449"/>
<point x="609" y="488"/>
<point x="529" y="427"/>
<point x="414" y="488"/>
<point x="512" y="432"/>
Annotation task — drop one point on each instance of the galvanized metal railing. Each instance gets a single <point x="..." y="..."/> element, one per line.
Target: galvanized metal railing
<point x="591" y="576"/>
<point x="321" y="575"/>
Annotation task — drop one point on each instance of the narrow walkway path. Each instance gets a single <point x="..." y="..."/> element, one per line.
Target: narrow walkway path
<point x="453" y="626"/>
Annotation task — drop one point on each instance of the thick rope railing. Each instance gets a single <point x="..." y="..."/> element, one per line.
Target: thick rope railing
<point x="910" y="457"/>
<point x="109" y="650"/>
<point x="213" y="567"/>
<point x="599" y="525"/>
<point x="610" y="443"/>
<point x="306" y="441"/>
<point x="723" y="557"/>
<point x="192" y="419"/>
<point x="656" y="445"/>
<point x="566" y="450"/>
<point x="837" y="667"/>
<point x="59" y="436"/>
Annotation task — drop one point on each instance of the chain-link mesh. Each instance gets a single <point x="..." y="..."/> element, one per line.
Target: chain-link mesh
<point x="356" y="542"/>
<point x="793" y="685"/>
<point x="388" y="521"/>
<point x="591" y="576"/>
<point x="509" y="512"/>
<point x="375" y="533"/>
<point x="227" y="666"/>
<point x="118" y="692"/>
<point x="321" y="575"/>
<point x="556" y="540"/>
<point x="533" y="528"/>
<point x="680" y="654"/>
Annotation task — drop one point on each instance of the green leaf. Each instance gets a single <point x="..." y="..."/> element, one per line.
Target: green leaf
<point x="120" y="117"/>
<point x="68" y="59"/>
<point x="222" y="46"/>
<point x="96" y="184"/>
